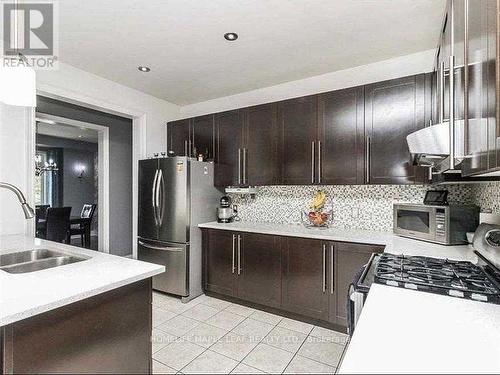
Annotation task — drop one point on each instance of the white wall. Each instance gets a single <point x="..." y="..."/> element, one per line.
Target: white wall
<point x="393" y="68"/>
<point x="14" y="133"/>
<point x="102" y="92"/>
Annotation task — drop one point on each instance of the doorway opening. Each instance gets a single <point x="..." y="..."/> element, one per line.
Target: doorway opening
<point x="71" y="182"/>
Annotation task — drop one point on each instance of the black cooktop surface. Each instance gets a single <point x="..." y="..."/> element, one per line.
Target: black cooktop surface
<point x="454" y="278"/>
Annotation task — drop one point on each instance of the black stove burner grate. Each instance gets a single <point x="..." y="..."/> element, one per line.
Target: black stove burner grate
<point x="455" y="278"/>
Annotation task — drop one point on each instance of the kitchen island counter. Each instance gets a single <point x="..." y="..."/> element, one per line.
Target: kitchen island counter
<point x="24" y="295"/>
<point x="407" y="331"/>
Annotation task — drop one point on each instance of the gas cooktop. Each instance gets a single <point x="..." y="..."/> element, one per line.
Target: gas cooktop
<point x="455" y="278"/>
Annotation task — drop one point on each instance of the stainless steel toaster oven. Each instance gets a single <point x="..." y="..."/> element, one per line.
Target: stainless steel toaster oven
<point x="446" y="225"/>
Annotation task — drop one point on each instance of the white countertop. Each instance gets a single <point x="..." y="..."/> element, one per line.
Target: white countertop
<point x="393" y="244"/>
<point x="406" y="331"/>
<point x="29" y="294"/>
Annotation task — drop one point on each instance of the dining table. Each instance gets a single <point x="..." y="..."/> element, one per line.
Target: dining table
<point x="73" y="220"/>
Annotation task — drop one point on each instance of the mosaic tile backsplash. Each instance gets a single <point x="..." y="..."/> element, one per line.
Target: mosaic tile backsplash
<point x="487" y="196"/>
<point x="354" y="206"/>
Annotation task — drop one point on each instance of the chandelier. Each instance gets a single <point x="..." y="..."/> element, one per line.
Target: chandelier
<point x="41" y="168"/>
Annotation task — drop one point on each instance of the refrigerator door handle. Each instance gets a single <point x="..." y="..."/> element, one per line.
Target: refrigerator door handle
<point x="153" y="196"/>
<point x="161" y="183"/>
<point x="166" y="248"/>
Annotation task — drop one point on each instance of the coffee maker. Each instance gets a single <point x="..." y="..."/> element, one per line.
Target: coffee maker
<point x="225" y="213"/>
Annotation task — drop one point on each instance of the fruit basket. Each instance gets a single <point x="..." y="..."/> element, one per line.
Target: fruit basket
<point x="312" y="219"/>
<point x="318" y="215"/>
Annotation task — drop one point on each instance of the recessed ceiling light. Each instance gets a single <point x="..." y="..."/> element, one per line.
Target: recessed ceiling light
<point x="144" y="69"/>
<point x="231" y="36"/>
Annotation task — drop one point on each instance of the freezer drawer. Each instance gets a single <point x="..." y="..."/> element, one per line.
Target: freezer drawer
<point x="175" y="258"/>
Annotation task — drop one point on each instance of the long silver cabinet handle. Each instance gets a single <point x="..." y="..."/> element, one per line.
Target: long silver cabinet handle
<point x="166" y="248"/>
<point x="313" y="147"/>
<point x="239" y="254"/>
<point x="324" y="268"/>
<point x="153" y="196"/>
<point x="245" y="155"/>
<point x="233" y="266"/>
<point x="441" y="92"/>
<point x="368" y="161"/>
<point x="186" y="148"/>
<point x="332" y="274"/>
<point x="319" y="162"/>
<point x="239" y="166"/>
<point x="452" y="112"/>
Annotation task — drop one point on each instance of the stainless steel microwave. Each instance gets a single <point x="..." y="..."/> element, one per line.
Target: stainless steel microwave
<point x="446" y="225"/>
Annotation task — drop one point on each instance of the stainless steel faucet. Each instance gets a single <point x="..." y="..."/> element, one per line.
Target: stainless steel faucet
<point x="28" y="211"/>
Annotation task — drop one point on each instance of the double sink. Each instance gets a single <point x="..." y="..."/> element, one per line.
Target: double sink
<point x="36" y="260"/>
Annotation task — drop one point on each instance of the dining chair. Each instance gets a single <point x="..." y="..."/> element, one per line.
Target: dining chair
<point x="83" y="229"/>
<point x="57" y="224"/>
<point x="40" y="216"/>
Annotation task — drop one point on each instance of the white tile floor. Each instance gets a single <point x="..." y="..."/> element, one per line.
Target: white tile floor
<point x="208" y="335"/>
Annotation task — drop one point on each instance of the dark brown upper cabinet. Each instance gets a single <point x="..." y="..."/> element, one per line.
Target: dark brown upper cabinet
<point x="350" y="136"/>
<point x="202" y="135"/>
<point x="340" y="146"/>
<point x="393" y="109"/>
<point x="297" y="123"/>
<point x="229" y="145"/>
<point x="179" y="137"/>
<point x="260" y="149"/>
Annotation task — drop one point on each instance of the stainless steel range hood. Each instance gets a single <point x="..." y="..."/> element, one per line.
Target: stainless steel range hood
<point x="430" y="147"/>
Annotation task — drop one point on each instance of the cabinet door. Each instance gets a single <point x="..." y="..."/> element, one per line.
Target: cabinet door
<point x="219" y="261"/>
<point x="304" y="277"/>
<point x="178" y="137"/>
<point x="481" y="127"/>
<point x="260" y="163"/>
<point x="259" y="269"/>
<point x="229" y="128"/>
<point x="341" y="131"/>
<point x="347" y="260"/>
<point x="203" y="137"/>
<point x="393" y="109"/>
<point x="298" y="134"/>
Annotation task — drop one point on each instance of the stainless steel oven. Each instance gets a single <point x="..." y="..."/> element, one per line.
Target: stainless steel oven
<point x="446" y="225"/>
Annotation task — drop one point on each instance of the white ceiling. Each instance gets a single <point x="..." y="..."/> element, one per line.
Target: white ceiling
<point x="279" y="40"/>
<point x="68" y="131"/>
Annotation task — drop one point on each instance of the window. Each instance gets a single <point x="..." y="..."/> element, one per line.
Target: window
<point x="44" y="184"/>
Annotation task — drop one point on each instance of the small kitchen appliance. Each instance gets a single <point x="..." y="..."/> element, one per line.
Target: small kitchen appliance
<point x="225" y="213"/>
<point x="443" y="224"/>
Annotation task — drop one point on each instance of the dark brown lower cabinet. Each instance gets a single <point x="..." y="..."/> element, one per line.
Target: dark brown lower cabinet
<point x="107" y="333"/>
<point x="219" y="262"/>
<point x="243" y="265"/>
<point x="259" y="269"/>
<point x="304" y="277"/>
<point x="348" y="258"/>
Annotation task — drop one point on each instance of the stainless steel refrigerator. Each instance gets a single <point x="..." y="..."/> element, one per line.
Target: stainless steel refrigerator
<point x="175" y="195"/>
